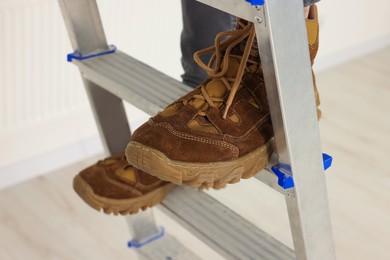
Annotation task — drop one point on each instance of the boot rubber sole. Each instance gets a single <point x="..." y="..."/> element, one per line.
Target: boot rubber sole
<point x="119" y="206"/>
<point x="198" y="175"/>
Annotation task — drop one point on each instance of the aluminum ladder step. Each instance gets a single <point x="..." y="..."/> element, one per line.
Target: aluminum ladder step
<point x="229" y="234"/>
<point x="133" y="81"/>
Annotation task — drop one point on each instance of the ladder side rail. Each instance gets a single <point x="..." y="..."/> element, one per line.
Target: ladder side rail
<point x="110" y="117"/>
<point x="85" y="29"/>
<point x="282" y="38"/>
<point x="87" y="36"/>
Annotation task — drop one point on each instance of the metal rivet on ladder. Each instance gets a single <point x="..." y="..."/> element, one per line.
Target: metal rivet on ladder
<point x="258" y="19"/>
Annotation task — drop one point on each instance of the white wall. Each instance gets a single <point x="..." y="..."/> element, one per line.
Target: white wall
<point x="350" y="28"/>
<point x="45" y="121"/>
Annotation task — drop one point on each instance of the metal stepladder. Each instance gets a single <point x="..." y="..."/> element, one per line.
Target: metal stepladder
<point x="110" y="76"/>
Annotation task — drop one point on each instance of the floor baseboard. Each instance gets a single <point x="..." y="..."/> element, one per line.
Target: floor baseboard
<point x="49" y="162"/>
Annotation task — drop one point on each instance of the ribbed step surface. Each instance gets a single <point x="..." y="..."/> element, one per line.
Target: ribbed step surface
<point x="133" y="81"/>
<point x="222" y="229"/>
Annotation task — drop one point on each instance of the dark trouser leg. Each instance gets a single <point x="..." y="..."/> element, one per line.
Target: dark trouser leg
<point x="309" y="2"/>
<point x="201" y="24"/>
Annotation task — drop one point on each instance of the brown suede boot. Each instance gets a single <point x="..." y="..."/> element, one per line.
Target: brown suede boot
<point x="219" y="132"/>
<point x="117" y="187"/>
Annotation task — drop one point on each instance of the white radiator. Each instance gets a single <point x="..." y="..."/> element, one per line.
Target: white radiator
<point x="43" y="106"/>
<point x="36" y="83"/>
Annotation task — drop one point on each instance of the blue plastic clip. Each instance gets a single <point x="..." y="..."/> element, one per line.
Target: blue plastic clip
<point x="78" y="56"/>
<point x="283" y="172"/>
<point x="146" y="241"/>
<point x="327" y="160"/>
<point x="256" y="2"/>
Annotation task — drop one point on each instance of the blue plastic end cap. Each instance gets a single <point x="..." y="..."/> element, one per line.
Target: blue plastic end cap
<point x="78" y="56"/>
<point x="327" y="160"/>
<point x="139" y="244"/>
<point x="283" y="172"/>
<point x="256" y="2"/>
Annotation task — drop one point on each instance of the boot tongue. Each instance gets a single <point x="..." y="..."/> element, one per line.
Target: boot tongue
<point x="215" y="88"/>
<point x="232" y="70"/>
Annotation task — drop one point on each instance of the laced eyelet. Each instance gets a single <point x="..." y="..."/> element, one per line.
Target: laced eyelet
<point x="219" y="62"/>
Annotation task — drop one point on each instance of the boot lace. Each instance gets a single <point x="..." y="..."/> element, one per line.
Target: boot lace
<point x="219" y="63"/>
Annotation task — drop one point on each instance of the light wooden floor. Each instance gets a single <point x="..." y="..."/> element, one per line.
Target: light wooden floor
<point x="44" y="219"/>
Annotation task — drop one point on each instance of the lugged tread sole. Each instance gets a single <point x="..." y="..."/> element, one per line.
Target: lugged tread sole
<point x="119" y="206"/>
<point x="198" y="175"/>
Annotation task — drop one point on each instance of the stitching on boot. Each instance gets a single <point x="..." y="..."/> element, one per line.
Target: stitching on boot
<point x="121" y="185"/>
<point x="248" y="133"/>
<point x="199" y="139"/>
